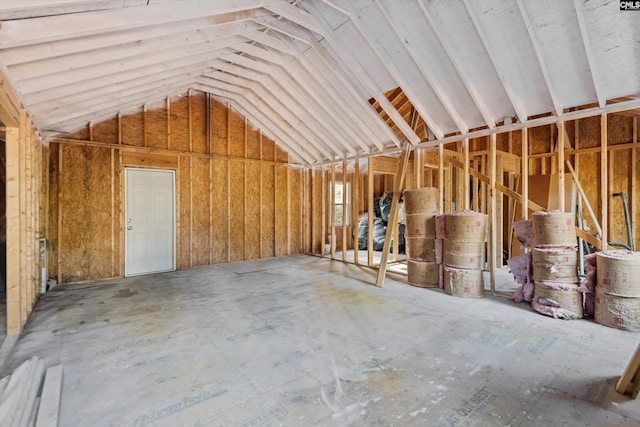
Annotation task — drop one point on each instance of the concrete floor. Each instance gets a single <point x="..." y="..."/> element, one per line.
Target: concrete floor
<point x="303" y="341"/>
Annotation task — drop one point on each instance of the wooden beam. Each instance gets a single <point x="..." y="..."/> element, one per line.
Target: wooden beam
<point x="9" y="101"/>
<point x="323" y="196"/>
<point x="633" y="197"/>
<point x="585" y="200"/>
<point x="493" y="221"/>
<point x="13" y="230"/>
<point x="591" y="59"/>
<point x="499" y="212"/>
<point x="441" y="178"/>
<point x="355" y="202"/>
<point x="524" y="173"/>
<point x="465" y="173"/>
<point x="344" y="211"/>
<point x="560" y="165"/>
<point x="370" y="208"/>
<point x="333" y="211"/>
<point x="604" y="196"/>
<point x="393" y="215"/>
<point x="630" y="378"/>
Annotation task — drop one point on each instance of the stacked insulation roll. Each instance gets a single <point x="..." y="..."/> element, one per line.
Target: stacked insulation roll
<point x="465" y="233"/>
<point x="421" y="207"/>
<point x="557" y="291"/>
<point x="617" y="302"/>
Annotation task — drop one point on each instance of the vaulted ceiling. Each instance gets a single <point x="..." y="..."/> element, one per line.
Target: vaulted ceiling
<point x="325" y="79"/>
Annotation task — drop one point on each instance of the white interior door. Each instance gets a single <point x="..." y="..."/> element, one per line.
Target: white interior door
<point x="149" y="221"/>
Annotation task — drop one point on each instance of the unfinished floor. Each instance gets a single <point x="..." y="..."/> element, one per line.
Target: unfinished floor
<point x="302" y="341"/>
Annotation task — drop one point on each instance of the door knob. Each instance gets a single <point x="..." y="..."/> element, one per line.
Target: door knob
<point x="129" y="228"/>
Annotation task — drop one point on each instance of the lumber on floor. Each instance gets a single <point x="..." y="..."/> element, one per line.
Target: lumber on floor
<point x="20" y="401"/>
<point x="629" y="382"/>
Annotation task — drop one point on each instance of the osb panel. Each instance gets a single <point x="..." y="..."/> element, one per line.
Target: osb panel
<point x="621" y="180"/>
<point x="200" y="213"/>
<point x="268" y="211"/>
<point x="133" y="129"/>
<point x="219" y="113"/>
<point x="296" y="210"/>
<point x="237" y="140"/>
<point x="184" y="212"/>
<point x="82" y="133"/>
<point x="307" y="211"/>
<point x="253" y="143"/>
<point x="237" y="210"/>
<point x="590" y="132"/>
<point x="589" y="177"/>
<point x="516" y="138"/>
<point x="118" y="225"/>
<point x="86" y="213"/>
<point x="268" y="149"/>
<point x="281" y="213"/>
<point x="502" y="142"/>
<point x="156" y="125"/>
<point x="179" y="123"/>
<point x="252" y="199"/>
<point x="570" y="141"/>
<point x="539" y="140"/>
<point x="619" y="129"/>
<point x="219" y="246"/>
<point x="281" y="155"/>
<point x="106" y="131"/>
<point x="315" y="216"/>
<point x="52" y="231"/>
<point x="198" y="102"/>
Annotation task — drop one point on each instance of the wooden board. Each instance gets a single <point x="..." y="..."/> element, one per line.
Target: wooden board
<point x="219" y="247"/>
<point x="198" y="116"/>
<point x="237" y="137"/>
<point x="252" y="218"/>
<point x="106" y="131"/>
<point x="237" y="203"/>
<point x="183" y="205"/>
<point x="295" y="219"/>
<point x="253" y="143"/>
<point x="86" y="214"/>
<point x="132" y="128"/>
<point x="179" y="123"/>
<point x="155" y="125"/>
<point x="200" y="213"/>
<point x="151" y="160"/>
<point x="219" y="128"/>
<point x="268" y="211"/>
<point x="281" y="214"/>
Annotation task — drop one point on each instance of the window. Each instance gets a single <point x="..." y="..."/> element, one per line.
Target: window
<point x="341" y="210"/>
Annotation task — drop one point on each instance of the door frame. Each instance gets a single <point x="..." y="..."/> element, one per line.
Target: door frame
<point x="126" y="208"/>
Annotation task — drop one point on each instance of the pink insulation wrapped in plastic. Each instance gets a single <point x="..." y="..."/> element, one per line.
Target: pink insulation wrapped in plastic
<point x="524" y="232"/>
<point x="440" y="226"/>
<point x="588" y="285"/>
<point x="521" y="269"/>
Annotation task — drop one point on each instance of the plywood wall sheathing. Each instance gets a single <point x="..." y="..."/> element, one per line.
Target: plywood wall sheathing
<point x="219" y="196"/>
<point x="25" y="215"/>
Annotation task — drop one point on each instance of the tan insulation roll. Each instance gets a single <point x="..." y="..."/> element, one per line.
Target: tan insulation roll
<point x="463" y="283"/>
<point x="618" y="272"/>
<point x="555" y="264"/>
<point x="563" y="303"/>
<point x="553" y="228"/>
<point x="423" y="274"/>
<point x="420" y="225"/>
<point x="421" y="249"/>
<point x="617" y="311"/>
<point x="421" y="200"/>
<point x="466" y="226"/>
<point x="462" y="254"/>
